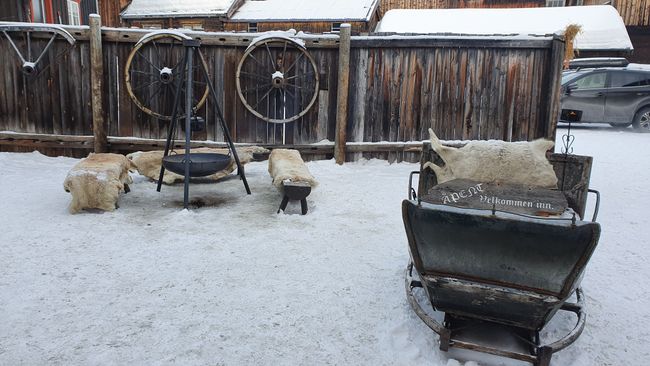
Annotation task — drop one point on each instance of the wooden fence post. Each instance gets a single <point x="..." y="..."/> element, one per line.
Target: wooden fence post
<point x="342" y="94"/>
<point x="96" y="76"/>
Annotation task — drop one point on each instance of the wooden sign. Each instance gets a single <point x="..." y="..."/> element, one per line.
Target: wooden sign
<point x="500" y="196"/>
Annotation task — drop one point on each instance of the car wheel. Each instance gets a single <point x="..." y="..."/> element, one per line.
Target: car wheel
<point x="642" y="120"/>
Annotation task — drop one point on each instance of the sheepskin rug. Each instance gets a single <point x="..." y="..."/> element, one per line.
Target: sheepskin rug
<point x="496" y="161"/>
<point x="287" y="165"/>
<point x="97" y="181"/>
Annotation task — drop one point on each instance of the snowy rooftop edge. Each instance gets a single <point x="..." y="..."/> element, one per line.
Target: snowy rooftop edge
<point x="603" y="27"/>
<point x="306" y="10"/>
<point x="139" y="9"/>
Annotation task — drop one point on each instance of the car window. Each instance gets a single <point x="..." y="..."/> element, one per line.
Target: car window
<point x="624" y="79"/>
<point x="570" y="75"/>
<point x="592" y="81"/>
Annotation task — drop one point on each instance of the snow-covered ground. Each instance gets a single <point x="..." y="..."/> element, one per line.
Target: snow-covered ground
<point x="232" y="283"/>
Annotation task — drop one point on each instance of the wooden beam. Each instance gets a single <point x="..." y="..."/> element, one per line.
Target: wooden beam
<point x="96" y="77"/>
<point x="123" y="144"/>
<point x="342" y="94"/>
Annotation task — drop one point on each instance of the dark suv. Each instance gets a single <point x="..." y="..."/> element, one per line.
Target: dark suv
<point x="618" y="95"/>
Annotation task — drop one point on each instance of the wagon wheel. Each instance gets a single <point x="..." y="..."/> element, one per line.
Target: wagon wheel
<point x="32" y="42"/>
<point x="277" y="79"/>
<point x="153" y="74"/>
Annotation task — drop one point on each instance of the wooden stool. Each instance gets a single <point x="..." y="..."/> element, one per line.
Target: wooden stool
<point x="295" y="191"/>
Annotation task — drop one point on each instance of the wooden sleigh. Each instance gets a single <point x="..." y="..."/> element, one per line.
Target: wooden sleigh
<point x="506" y="270"/>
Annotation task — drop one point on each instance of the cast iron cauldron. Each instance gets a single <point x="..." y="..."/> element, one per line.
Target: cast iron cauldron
<point x="201" y="164"/>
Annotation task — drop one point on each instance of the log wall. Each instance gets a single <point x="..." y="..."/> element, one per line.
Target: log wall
<point x="399" y="87"/>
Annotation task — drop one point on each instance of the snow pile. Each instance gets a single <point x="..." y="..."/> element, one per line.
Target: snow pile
<point x="602" y="26"/>
<point x="139" y="9"/>
<point x="305" y="10"/>
<point x="234" y="283"/>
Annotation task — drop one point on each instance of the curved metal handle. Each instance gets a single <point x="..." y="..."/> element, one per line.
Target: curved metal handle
<point x="593" y="218"/>
<point x="412" y="193"/>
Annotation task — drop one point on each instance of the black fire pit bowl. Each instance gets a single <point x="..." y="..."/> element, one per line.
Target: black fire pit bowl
<point x="201" y="164"/>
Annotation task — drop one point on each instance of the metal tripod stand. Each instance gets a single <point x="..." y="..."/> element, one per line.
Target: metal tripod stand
<point x="192" y="47"/>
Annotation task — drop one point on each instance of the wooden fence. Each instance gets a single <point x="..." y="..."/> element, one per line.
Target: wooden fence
<point x="463" y="88"/>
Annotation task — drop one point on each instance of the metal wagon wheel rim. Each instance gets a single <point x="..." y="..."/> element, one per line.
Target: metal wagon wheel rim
<point x="31" y="55"/>
<point x="277" y="80"/>
<point x="152" y="74"/>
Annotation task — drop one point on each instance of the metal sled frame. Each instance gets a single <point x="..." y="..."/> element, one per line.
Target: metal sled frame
<point x="573" y="175"/>
<point x="540" y="354"/>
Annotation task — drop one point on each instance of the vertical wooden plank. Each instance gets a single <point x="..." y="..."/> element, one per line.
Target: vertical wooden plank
<point x="96" y="78"/>
<point x="342" y="94"/>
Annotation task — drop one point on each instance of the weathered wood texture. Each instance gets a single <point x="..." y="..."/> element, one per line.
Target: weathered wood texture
<point x="640" y="37"/>
<point x="399" y="87"/>
<point x="634" y="12"/>
<point x="110" y="11"/>
<point x="466" y="92"/>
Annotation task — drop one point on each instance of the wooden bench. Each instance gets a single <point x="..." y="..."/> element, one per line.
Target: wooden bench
<point x="97" y="181"/>
<point x="291" y="177"/>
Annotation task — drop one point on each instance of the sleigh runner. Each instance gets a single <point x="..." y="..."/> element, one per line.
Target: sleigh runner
<point x="513" y="267"/>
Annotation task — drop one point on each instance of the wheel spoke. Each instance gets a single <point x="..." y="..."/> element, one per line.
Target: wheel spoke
<point x="296" y="86"/>
<point x="146" y="59"/>
<point x="263" y="97"/>
<point x="255" y="59"/>
<point x="253" y="74"/>
<point x="29" y="46"/>
<point x="155" y="46"/>
<point x="146" y="85"/>
<point x="270" y="57"/>
<point x="284" y="53"/>
<point x="11" y="41"/>
<point x="47" y="47"/>
<point x="295" y="62"/>
<point x="153" y="95"/>
<point x="144" y="73"/>
<point x="256" y="88"/>
<point x="290" y="93"/>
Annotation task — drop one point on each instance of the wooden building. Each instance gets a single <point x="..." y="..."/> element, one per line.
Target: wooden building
<point x="319" y="17"/>
<point x="71" y="12"/>
<point x="603" y="32"/>
<point x="635" y="15"/>
<point x="206" y="15"/>
<point x="110" y="11"/>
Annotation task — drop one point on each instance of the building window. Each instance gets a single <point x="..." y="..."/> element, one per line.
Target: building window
<point x="74" y="18"/>
<point x="198" y="26"/>
<point x="336" y="27"/>
<point x="38" y="12"/>
<point x="252" y="27"/>
<point x="150" y="25"/>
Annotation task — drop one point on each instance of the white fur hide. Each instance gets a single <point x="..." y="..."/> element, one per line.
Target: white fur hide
<point x="287" y="165"/>
<point x="496" y="161"/>
<point x="97" y="181"/>
<point x="148" y="163"/>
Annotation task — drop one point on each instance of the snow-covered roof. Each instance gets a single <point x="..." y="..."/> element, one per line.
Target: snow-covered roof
<point x="305" y="10"/>
<point x="602" y="26"/>
<point x="139" y="9"/>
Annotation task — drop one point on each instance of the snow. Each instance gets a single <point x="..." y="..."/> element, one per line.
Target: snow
<point x="303" y="10"/>
<point x="289" y="35"/>
<point x="602" y="26"/>
<point x="234" y="283"/>
<point x="139" y="9"/>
